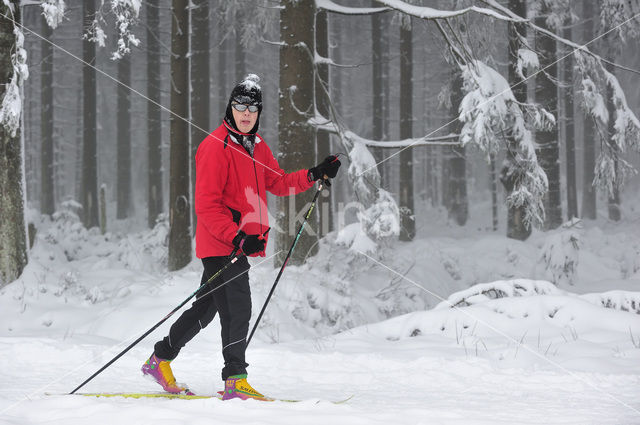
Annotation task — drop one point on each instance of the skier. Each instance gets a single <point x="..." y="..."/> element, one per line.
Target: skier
<point x="234" y="169"/>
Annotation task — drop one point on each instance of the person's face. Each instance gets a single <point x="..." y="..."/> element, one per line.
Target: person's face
<point x="245" y="120"/>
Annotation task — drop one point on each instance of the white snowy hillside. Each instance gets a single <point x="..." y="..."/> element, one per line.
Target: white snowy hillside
<point x="457" y="327"/>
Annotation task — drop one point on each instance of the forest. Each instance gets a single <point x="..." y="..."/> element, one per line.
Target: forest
<point x="428" y="107"/>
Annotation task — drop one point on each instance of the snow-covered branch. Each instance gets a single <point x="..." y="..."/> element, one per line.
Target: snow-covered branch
<point x="566" y="42"/>
<point x="490" y="113"/>
<point x="126" y="13"/>
<point x="11" y="106"/>
<point x="330" y="6"/>
<point x="53" y="11"/>
<point x="431" y="13"/>
<point x="612" y="170"/>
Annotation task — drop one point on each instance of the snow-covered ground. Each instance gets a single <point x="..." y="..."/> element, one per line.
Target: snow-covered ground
<point x="513" y="349"/>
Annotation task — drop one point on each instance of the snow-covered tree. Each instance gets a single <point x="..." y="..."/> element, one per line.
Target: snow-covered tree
<point x="13" y="71"/>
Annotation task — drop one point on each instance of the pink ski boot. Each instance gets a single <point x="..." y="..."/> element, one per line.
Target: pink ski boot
<point x="160" y="371"/>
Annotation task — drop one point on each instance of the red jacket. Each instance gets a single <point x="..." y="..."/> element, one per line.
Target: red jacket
<point x="227" y="179"/>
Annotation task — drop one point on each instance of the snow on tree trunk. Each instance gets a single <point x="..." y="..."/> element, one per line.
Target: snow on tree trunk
<point x="296" y="135"/>
<point x="547" y="141"/>
<point x="13" y="70"/>
<point x="123" y="183"/>
<point x="407" y="217"/>
<point x="179" y="199"/>
<point x="154" y="132"/>
<point x="89" y="125"/>
<point x="613" y="201"/>
<point x="47" y="198"/>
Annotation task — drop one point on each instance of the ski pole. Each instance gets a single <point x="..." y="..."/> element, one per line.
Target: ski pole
<point x="286" y="260"/>
<point x="234" y="258"/>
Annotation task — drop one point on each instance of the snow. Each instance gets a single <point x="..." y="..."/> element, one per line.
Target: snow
<point x="53" y="12"/>
<point x="331" y="6"/>
<point x="513" y="349"/>
<point x="431" y="13"/>
<point x="11" y="104"/>
<point x="527" y="59"/>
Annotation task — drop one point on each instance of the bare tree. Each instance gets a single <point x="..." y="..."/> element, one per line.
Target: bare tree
<point x="123" y="181"/>
<point x="47" y="186"/>
<point x="407" y="219"/>
<point x="589" y="131"/>
<point x="323" y="140"/>
<point x="89" y="123"/>
<point x="377" y="86"/>
<point x="179" y="199"/>
<point x="297" y="137"/>
<point x="154" y="132"/>
<point x="569" y="132"/>
<point x="200" y="109"/>
<point x="457" y="205"/>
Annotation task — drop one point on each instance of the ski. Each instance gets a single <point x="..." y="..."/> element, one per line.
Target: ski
<point x="183" y="396"/>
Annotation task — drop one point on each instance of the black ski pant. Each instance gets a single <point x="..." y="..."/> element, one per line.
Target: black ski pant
<point x="231" y="299"/>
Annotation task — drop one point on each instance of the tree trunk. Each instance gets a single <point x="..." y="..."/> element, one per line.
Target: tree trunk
<point x="516" y="227"/>
<point x="378" y="31"/>
<point x="547" y="141"/>
<point x="589" y="132"/>
<point x="241" y="67"/>
<point x="13" y="237"/>
<point x="494" y="193"/>
<point x="323" y="140"/>
<point x="89" y="125"/>
<point x="407" y="219"/>
<point x="200" y="110"/>
<point x="570" y="143"/>
<point x="154" y="132"/>
<point x="179" y="199"/>
<point x="223" y="90"/>
<point x="47" y="191"/>
<point x="297" y="138"/>
<point x="123" y="183"/>
<point x="457" y="206"/>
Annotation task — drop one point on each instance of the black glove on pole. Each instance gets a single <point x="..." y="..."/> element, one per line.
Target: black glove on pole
<point x="249" y="244"/>
<point x="233" y="258"/>
<point x="327" y="169"/>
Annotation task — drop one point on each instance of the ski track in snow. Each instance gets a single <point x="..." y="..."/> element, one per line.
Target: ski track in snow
<point x="409" y="381"/>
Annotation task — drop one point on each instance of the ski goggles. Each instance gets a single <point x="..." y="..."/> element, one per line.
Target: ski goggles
<point x="241" y="107"/>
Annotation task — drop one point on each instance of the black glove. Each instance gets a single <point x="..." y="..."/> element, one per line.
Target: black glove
<point x="249" y="244"/>
<point x="328" y="167"/>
